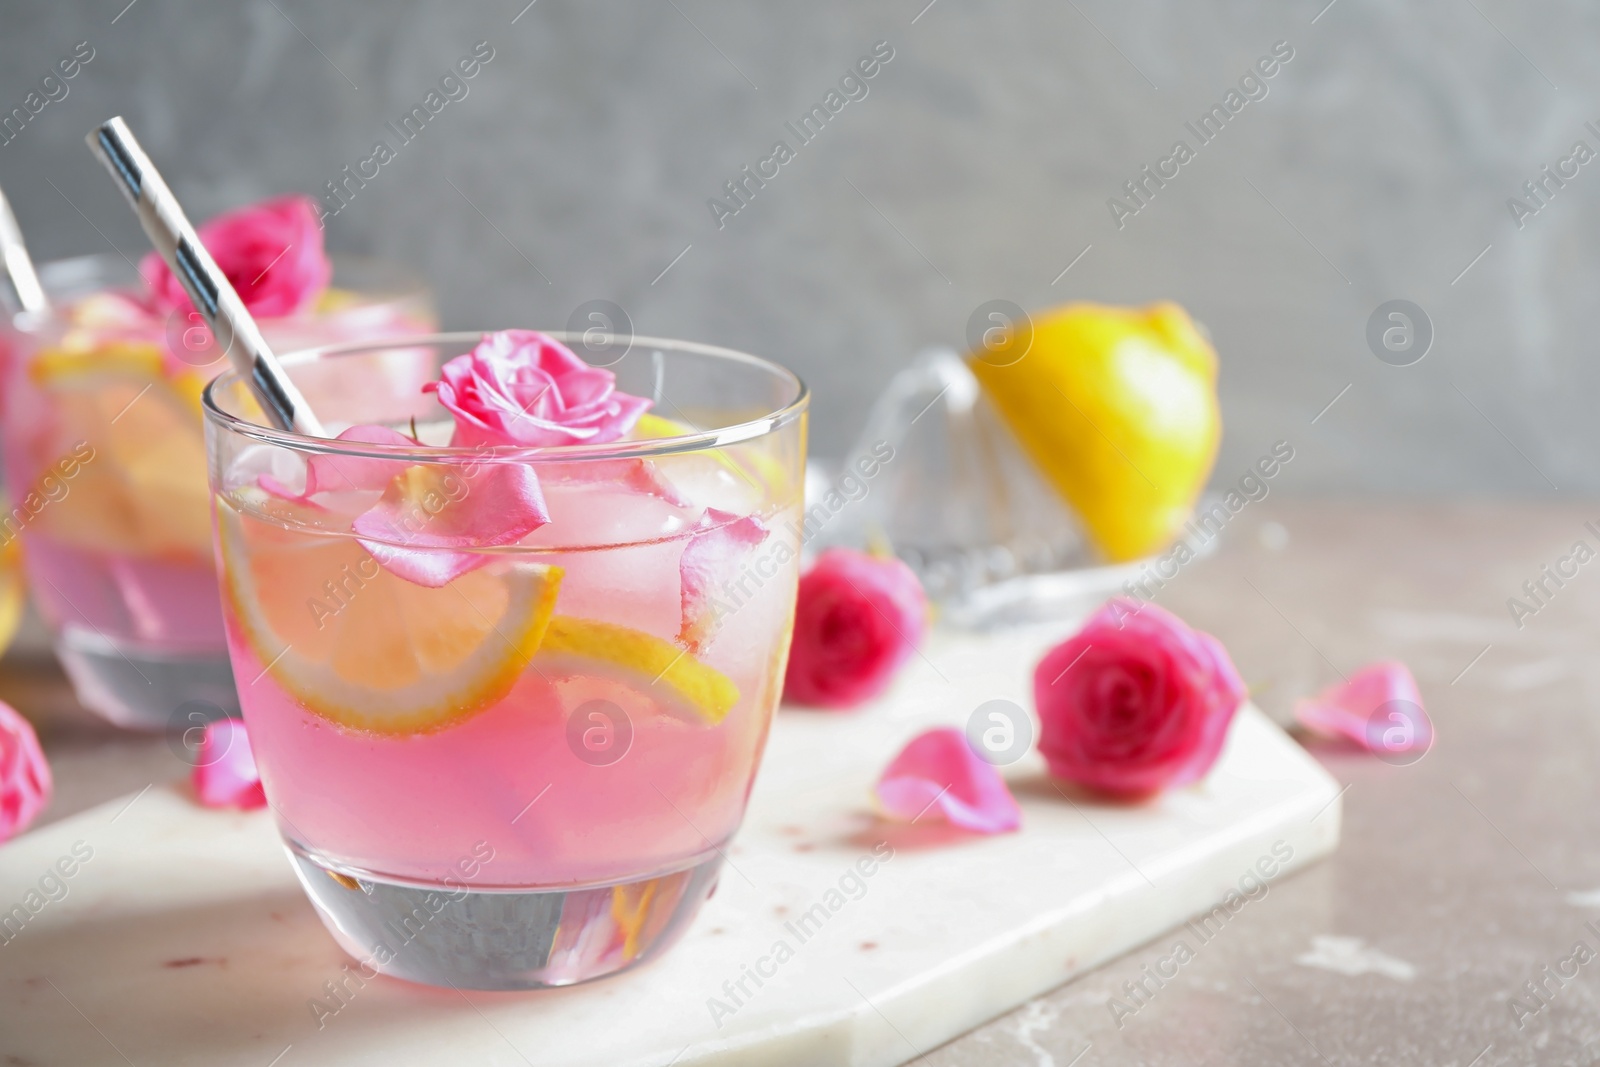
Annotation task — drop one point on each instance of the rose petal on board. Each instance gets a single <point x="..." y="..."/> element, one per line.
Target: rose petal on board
<point x="225" y="774"/>
<point x="25" y="782"/>
<point x="938" y="778"/>
<point x="858" y="618"/>
<point x="713" y="554"/>
<point x="431" y="516"/>
<point x="1380" y="708"/>
<point x="1135" y="702"/>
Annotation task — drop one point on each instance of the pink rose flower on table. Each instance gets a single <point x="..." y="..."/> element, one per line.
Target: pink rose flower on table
<point x="520" y="387"/>
<point x="25" y="782"/>
<point x="937" y="777"/>
<point x="1379" y="708"/>
<point x="858" y="618"/>
<point x="271" y="253"/>
<point x="1135" y="702"/>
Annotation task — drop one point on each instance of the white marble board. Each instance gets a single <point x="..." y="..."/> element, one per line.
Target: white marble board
<point x="185" y="939"/>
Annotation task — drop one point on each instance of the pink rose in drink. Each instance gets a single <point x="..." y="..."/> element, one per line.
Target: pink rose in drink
<point x="1135" y="702"/>
<point x="858" y="618"/>
<point x="520" y="387"/>
<point x="271" y="253"/>
<point x="439" y="639"/>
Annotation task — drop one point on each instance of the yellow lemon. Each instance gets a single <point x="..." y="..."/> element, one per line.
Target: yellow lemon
<point x="1118" y="407"/>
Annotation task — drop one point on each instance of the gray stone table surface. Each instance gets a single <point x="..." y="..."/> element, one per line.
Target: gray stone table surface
<point x="1460" y="878"/>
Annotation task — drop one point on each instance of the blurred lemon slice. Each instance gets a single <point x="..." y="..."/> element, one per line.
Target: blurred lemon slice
<point x="371" y="651"/>
<point x="142" y="490"/>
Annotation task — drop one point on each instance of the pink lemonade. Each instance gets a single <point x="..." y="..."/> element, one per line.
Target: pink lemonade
<point x="551" y="737"/>
<point x="105" y="465"/>
<point x="409" y="806"/>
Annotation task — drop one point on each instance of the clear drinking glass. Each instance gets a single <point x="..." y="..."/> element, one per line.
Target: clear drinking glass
<point x="524" y="776"/>
<point x="105" y="465"/>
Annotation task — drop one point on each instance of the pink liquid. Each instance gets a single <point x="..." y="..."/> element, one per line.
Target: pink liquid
<point x="157" y="603"/>
<point x="410" y="807"/>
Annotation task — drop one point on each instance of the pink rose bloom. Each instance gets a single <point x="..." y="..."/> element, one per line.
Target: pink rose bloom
<point x="519" y="387"/>
<point x="1379" y="708"/>
<point x="857" y="619"/>
<point x="1135" y="702"/>
<point x="939" y="778"/>
<point x="225" y="774"/>
<point x="270" y="252"/>
<point x="25" y="782"/>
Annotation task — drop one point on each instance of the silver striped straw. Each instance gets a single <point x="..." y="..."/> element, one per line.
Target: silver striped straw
<point x="22" y="281"/>
<point x="174" y="238"/>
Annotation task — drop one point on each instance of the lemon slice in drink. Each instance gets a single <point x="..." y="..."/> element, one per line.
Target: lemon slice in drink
<point x="644" y="662"/>
<point x="370" y="651"/>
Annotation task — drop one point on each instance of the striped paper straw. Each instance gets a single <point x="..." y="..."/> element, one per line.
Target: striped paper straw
<point x="22" y="281"/>
<point x="174" y="238"/>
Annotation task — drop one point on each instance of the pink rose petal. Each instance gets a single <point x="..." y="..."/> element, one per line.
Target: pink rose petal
<point x="712" y="555"/>
<point x="1135" y="702"/>
<point x="272" y="487"/>
<point x="938" y="778"/>
<point x="1379" y="708"/>
<point x="431" y="515"/>
<point x="520" y="387"/>
<point x="25" y="782"/>
<point x="858" y="618"/>
<point x="332" y="472"/>
<point x="225" y="774"/>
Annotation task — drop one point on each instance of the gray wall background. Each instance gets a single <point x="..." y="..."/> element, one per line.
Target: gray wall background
<point x="978" y="167"/>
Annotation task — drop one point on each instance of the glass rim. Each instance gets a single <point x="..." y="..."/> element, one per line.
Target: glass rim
<point x="700" y="440"/>
<point x="407" y="283"/>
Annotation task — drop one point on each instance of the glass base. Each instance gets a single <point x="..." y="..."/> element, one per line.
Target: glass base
<point x="139" y="688"/>
<point x="455" y="935"/>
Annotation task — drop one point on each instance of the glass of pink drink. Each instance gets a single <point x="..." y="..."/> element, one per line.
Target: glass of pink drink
<point x="507" y="742"/>
<point x="105" y="465"/>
